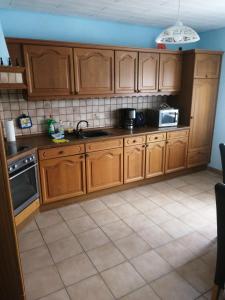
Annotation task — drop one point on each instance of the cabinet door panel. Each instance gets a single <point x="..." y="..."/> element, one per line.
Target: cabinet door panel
<point x="155" y="159"/>
<point x="207" y="66"/>
<point x="148" y="72"/>
<point x="203" y="112"/>
<point x="125" y="72"/>
<point x="94" y="71"/>
<point x="49" y="70"/>
<point x="104" y="169"/>
<point x="62" y="178"/>
<point x="134" y="163"/>
<point x="170" y="72"/>
<point x="176" y="155"/>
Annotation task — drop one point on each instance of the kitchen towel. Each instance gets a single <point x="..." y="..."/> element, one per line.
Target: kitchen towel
<point x="10" y="131"/>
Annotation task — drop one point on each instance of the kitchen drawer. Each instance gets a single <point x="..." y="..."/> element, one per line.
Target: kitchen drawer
<point x="104" y="145"/>
<point x="60" y="151"/>
<point x="136" y="140"/>
<point x="198" y="158"/>
<point x="177" y="134"/>
<point x="156" y="137"/>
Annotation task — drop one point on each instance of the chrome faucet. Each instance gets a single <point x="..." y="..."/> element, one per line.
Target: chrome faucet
<point x="81" y="121"/>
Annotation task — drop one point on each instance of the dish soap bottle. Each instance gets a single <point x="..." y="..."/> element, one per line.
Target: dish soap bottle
<point x="61" y="128"/>
<point x="51" y="125"/>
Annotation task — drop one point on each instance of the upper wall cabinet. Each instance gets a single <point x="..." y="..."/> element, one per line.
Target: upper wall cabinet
<point x="94" y="71"/>
<point x="170" y="72"/>
<point x="126" y="63"/>
<point x="148" y="72"/>
<point x="207" y="66"/>
<point x="49" y="70"/>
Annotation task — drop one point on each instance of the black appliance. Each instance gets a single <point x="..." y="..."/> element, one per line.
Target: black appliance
<point x="127" y="117"/>
<point x="140" y="119"/>
<point x="23" y="182"/>
<point x="163" y="117"/>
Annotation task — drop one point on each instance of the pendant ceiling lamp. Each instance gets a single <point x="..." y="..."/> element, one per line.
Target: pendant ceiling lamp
<point x="178" y="34"/>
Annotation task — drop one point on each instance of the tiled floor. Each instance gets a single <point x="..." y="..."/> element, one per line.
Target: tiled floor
<point x="152" y="242"/>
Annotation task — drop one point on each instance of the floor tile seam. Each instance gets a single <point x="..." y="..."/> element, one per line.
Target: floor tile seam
<point x="54" y="293"/>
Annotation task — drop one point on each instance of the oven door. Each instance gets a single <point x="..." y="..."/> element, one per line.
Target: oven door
<point x="24" y="187"/>
<point x="168" y="118"/>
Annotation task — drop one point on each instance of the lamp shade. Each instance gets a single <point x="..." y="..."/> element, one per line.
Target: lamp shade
<point x="4" y="54"/>
<point x="178" y="34"/>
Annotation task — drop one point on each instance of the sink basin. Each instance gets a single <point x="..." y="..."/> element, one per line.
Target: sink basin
<point x="92" y="134"/>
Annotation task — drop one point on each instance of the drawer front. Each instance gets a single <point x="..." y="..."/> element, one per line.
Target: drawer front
<point x="198" y="158"/>
<point x="177" y="134"/>
<point x="60" y="151"/>
<point x="156" y="137"/>
<point x="104" y="145"/>
<point x="136" y="140"/>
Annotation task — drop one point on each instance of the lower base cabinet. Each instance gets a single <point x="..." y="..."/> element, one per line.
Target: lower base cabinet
<point x="134" y="163"/>
<point x="62" y="178"/>
<point x="104" y="169"/>
<point x="155" y="159"/>
<point x="176" y="155"/>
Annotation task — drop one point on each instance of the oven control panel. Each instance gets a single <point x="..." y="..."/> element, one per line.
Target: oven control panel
<point x="23" y="162"/>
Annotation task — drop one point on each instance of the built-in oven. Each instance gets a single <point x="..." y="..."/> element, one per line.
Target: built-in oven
<point x="23" y="176"/>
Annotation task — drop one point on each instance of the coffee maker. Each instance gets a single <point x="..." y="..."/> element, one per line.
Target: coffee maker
<point x="127" y="118"/>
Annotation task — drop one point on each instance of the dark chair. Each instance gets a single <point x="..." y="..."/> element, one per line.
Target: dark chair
<point x="222" y="153"/>
<point x="220" y="263"/>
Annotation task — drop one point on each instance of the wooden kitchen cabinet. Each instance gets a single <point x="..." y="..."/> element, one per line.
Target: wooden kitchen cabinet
<point x="94" y="71"/>
<point x="104" y="169"/>
<point x="134" y="163"/>
<point x="126" y="68"/>
<point x="148" y="69"/>
<point x="62" y="178"/>
<point x="155" y="159"/>
<point x="207" y="66"/>
<point x="170" y="72"/>
<point x="49" y="70"/>
<point x="176" y="155"/>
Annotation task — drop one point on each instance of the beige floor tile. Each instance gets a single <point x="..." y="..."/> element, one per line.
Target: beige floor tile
<point x="64" y="248"/>
<point x="122" y="279"/>
<point x="175" y="254"/>
<point x="210" y="232"/>
<point x="155" y="236"/>
<point x="30" y="240"/>
<point x="71" y="211"/>
<point x="105" y="257"/>
<point x="30" y="226"/>
<point x="75" y="268"/>
<point x="174" y="194"/>
<point x="113" y="200"/>
<point x="144" y="293"/>
<point x="81" y="224"/>
<point x="195" y="242"/>
<point x="192" y="203"/>
<point x="198" y="274"/>
<point x="158" y="215"/>
<point x="55" y="232"/>
<point x="42" y="282"/>
<point x="138" y="222"/>
<point x="210" y="258"/>
<point x="48" y="218"/>
<point x="35" y="259"/>
<point x="130" y="195"/>
<point x="176" y="182"/>
<point x="132" y="246"/>
<point x="176" y="209"/>
<point x="194" y="220"/>
<point x="162" y="186"/>
<point x="92" y="288"/>
<point x="173" y="287"/>
<point x="105" y="216"/>
<point x="60" y="295"/>
<point x="144" y="205"/>
<point x="93" y="206"/>
<point x="117" y="230"/>
<point x="151" y="266"/>
<point x="190" y="190"/>
<point x="147" y="191"/>
<point x="125" y="211"/>
<point x="162" y="200"/>
<point x="205" y="196"/>
<point x="176" y="228"/>
<point x="92" y="239"/>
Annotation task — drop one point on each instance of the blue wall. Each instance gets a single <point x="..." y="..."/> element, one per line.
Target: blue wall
<point x="215" y="40"/>
<point x="4" y="54"/>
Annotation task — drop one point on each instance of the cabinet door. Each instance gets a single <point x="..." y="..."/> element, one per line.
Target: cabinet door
<point x="155" y="159"/>
<point x="134" y="163"/>
<point x="176" y="155"/>
<point x="148" y="72"/>
<point x="104" y="169"/>
<point x="49" y="70"/>
<point x="202" y="113"/>
<point x="170" y="72"/>
<point x="94" y="71"/>
<point x="62" y="178"/>
<point x="126" y="72"/>
<point x="207" y="66"/>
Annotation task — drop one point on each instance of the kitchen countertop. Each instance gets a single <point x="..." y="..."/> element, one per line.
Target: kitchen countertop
<point x="43" y="141"/>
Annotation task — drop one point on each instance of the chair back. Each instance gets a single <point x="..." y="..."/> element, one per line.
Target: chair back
<point x="222" y="153"/>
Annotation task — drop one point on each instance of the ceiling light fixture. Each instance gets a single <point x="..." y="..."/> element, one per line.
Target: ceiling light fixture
<point x="178" y="34"/>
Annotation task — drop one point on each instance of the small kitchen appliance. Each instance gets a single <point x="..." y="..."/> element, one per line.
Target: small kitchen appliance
<point x="127" y="117"/>
<point x="165" y="116"/>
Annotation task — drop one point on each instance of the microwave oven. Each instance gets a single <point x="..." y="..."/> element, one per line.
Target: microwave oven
<point x="163" y="117"/>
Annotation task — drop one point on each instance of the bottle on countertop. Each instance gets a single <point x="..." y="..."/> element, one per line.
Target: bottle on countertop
<point x="61" y="127"/>
<point x="9" y="62"/>
<point x="51" y="125"/>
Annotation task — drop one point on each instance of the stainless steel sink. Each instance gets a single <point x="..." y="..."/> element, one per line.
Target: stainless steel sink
<point x="92" y="133"/>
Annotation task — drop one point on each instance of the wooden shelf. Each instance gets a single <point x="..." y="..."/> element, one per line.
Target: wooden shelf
<point x="13" y="86"/>
<point x="12" y="69"/>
